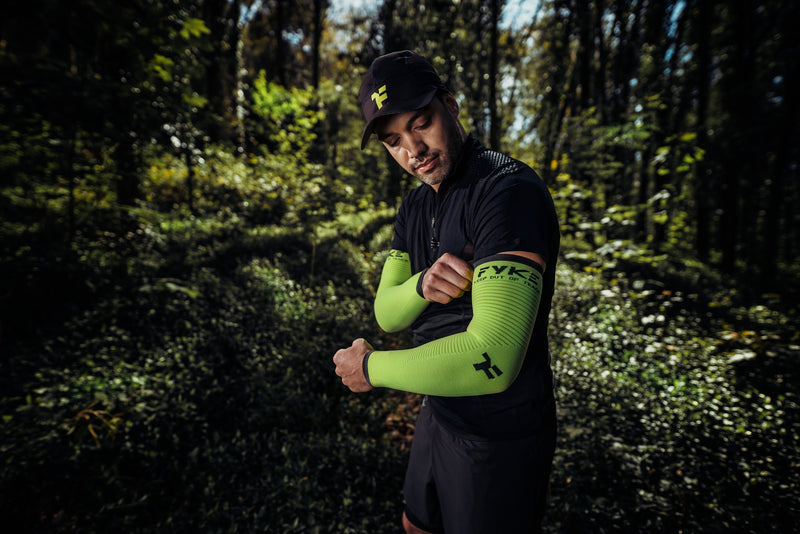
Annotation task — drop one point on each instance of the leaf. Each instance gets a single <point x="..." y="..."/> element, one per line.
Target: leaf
<point x="192" y="293"/>
<point x="195" y="100"/>
<point x="660" y="217"/>
<point x="162" y="66"/>
<point x="660" y="196"/>
<point x="194" y="28"/>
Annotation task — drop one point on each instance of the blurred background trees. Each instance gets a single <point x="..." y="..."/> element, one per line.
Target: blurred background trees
<point x="664" y="125"/>
<point x="188" y="228"/>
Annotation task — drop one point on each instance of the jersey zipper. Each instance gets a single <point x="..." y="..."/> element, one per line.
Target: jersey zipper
<point x="434" y="236"/>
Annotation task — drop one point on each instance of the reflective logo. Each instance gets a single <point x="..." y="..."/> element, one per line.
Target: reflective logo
<point x="487" y="367"/>
<point x="380" y="96"/>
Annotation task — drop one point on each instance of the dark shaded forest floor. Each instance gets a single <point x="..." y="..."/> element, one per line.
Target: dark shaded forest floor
<point x="177" y="377"/>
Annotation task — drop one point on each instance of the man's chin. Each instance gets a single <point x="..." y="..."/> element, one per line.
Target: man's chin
<point x="435" y="179"/>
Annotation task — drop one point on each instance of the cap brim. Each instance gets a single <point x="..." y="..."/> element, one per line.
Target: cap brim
<point x="404" y="107"/>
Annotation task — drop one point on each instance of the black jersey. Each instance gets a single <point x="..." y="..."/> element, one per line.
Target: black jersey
<point x="490" y="203"/>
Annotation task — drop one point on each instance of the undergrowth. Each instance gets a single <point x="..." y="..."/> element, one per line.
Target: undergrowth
<point x="173" y="373"/>
<point x="674" y="417"/>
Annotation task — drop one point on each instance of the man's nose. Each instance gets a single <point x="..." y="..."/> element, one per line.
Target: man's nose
<point x="416" y="146"/>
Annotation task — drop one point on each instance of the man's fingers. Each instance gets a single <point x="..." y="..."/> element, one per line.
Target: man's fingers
<point x="453" y="270"/>
<point x="443" y="275"/>
<point x="458" y="266"/>
<point x="447" y="279"/>
<point x="451" y="279"/>
<point x="362" y="344"/>
<point x="443" y="297"/>
<point x="440" y="298"/>
<point x="337" y="361"/>
<point x="348" y="362"/>
<point x="448" y="283"/>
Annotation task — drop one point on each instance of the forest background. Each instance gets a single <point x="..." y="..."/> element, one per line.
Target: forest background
<point x="188" y="231"/>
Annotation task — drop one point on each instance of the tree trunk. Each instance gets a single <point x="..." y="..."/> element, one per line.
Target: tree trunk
<point x="739" y="101"/>
<point x="642" y="194"/>
<point x="554" y="108"/>
<point x="702" y="175"/>
<point x="282" y="55"/>
<point x="584" y="56"/>
<point x="187" y="155"/>
<point x="658" y="18"/>
<point x="319" y="6"/>
<point x="216" y="83"/>
<point x="600" y="75"/>
<point x="782" y="174"/>
<point x="494" y="126"/>
<point x="127" y="164"/>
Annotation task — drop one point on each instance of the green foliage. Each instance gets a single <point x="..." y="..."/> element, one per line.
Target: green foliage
<point x="661" y="421"/>
<point x="169" y="306"/>
<point x="190" y="387"/>
<point x="289" y="119"/>
<point x="608" y="191"/>
<point x="204" y="364"/>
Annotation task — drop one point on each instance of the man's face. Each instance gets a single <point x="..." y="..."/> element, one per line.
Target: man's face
<point x="425" y="143"/>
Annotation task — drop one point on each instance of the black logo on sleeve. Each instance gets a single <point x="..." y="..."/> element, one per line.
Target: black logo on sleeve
<point x="487" y="367"/>
<point x="531" y="277"/>
<point x="512" y="271"/>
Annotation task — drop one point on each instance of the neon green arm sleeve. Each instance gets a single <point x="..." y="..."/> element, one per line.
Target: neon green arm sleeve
<point x="488" y="356"/>
<point x="397" y="302"/>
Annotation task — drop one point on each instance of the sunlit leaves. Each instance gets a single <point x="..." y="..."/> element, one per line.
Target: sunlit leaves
<point x="290" y="115"/>
<point x="162" y="66"/>
<point x="193" y="27"/>
<point x="655" y="399"/>
<point x="195" y="100"/>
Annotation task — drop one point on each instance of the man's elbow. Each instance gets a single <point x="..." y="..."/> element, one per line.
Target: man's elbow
<point x="390" y="326"/>
<point x="388" y="322"/>
<point x="498" y="378"/>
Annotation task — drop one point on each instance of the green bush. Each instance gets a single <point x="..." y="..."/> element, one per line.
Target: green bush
<point x="170" y="371"/>
<point x="196" y="392"/>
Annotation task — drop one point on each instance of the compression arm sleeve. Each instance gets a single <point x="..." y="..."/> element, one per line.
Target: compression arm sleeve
<point x="397" y="302"/>
<point x="488" y="356"/>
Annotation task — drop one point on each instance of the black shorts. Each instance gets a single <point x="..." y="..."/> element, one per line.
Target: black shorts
<point x="456" y="485"/>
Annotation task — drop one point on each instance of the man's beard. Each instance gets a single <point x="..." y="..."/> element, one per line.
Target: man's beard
<point x="447" y="159"/>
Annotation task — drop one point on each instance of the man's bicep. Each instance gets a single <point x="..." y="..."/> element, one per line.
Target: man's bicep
<point x="514" y="217"/>
<point x="533" y="256"/>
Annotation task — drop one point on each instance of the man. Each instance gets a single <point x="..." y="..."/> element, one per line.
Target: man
<point x="471" y="271"/>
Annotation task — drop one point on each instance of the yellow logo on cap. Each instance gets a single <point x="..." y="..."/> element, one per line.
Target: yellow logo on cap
<point x="380" y="96"/>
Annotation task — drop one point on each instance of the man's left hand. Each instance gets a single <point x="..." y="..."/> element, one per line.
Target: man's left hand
<point x="349" y="365"/>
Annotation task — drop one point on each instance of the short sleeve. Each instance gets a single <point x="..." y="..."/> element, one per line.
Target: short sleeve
<point x="399" y="240"/>
<point x="515" y="212"/>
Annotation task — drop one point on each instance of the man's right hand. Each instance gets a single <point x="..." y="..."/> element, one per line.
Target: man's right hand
<point x="447" y="279"/>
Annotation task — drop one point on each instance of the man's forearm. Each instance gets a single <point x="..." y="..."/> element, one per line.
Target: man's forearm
<point x="397" y="302"/>
<point x="487" y="357"/>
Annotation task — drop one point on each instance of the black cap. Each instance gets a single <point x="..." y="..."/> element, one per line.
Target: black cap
<point x="396" y="83"/>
